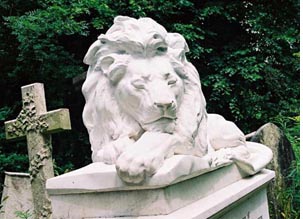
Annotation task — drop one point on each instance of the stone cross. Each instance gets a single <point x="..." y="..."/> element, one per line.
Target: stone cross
<point x="37" y="125"/>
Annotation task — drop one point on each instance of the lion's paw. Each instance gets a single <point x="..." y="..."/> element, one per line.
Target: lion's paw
<point x="133" y="168"/>
<point x="108" y="154"/>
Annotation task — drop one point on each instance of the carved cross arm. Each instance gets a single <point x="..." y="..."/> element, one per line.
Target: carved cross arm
<point x="50" y="122"/>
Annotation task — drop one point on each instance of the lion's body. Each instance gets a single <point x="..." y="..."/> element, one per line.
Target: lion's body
<point x="144" y="101"/>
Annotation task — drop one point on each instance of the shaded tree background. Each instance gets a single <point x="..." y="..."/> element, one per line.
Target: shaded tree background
<point x="247" y="54"/>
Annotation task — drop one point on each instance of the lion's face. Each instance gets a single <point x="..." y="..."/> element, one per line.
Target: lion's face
<point x="150" y="92"/>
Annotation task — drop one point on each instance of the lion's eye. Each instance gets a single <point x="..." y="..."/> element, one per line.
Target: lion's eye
<point x="172" y="81"/>
<point x="138" y="84"/>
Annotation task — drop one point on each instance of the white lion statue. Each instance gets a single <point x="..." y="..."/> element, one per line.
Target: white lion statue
<point x="144" y="103"/>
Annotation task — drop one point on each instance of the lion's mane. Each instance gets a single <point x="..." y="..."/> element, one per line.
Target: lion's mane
<point x="108" y="57"/>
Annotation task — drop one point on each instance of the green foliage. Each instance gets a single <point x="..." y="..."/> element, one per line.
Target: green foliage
<point x="252" y="67"/>
<point x="291" y="127"/>
<point x="23" y="214"/>
<point x="289" y="195"/>
<point x="241" y="56"/>
<point x="4" y="112"/>
<point x="68" y="166"/>
<point x="13" y="162"/>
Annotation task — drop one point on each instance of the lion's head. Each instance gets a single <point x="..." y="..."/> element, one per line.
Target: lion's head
<point x="150" y="92"/>
<point x="139" y="80"/>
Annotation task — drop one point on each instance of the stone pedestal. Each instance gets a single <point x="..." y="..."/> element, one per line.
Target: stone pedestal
<point x="95" y="191"/>
<point x="17" y="195"/>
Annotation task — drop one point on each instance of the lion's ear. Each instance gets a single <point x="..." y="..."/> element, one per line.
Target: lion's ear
<point x="116" y="74"/>
<point x="106" y="62"/>
<point x="113" y="68"/>
<point x="90" y="57"/>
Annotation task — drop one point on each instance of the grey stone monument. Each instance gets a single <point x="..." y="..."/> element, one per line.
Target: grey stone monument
<point x="37" y="125"/>
<point x="17" y="195"/>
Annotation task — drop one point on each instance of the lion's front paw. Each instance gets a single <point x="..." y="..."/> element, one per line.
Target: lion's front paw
<point x="133" y="167"/>
<point x="108" y="154"/>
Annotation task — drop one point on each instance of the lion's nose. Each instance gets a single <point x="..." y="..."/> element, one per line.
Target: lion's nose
<point x="164" y="105"/>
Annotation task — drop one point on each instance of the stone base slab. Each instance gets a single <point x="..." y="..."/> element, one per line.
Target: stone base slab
<point x="254" y="205"/>
<point x="100" y="177"/>
<point x="219" y="188"/>
<point x="244" y="199"/>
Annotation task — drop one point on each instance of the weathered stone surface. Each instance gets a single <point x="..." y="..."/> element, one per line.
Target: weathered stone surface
<point x="17" y="195"/>
<point x="283" y="156"/>
<point x="201" y="196"/>
<point x="102" y="177"/>
<point x="37" y="124"/>
<point x="252" y="206"/>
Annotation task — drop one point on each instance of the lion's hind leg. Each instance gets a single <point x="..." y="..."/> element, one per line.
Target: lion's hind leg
<point x="222" y="133"/>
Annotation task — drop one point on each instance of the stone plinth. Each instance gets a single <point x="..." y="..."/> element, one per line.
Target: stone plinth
<point x="96" y="192"/>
